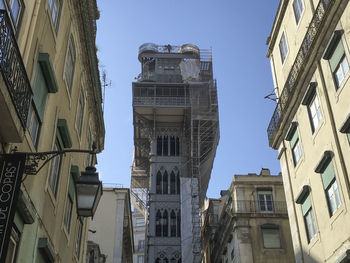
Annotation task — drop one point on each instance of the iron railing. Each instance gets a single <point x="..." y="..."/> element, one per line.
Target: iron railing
<point x="13" y="70"/>
<point x="249" y="206"/>
<point x="298" y="66"/>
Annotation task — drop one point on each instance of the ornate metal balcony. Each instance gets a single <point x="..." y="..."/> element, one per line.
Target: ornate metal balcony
<point x="298" y="66"/>
<point x="13" y="70"/>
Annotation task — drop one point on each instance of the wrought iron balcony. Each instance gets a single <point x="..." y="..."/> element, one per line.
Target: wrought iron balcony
<point x="12" y="69"/>
<point x="298" y="66"/>
<point x="251" y="206"/>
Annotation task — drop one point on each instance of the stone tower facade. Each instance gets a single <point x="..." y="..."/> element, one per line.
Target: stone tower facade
<point x="175" y="138"/>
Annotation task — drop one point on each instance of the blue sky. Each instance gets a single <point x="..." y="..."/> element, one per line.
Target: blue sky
<point x="236" y="31"/>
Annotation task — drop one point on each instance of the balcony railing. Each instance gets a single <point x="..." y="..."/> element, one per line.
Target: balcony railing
<point x="268" y="207"/>
<point x="13" y="70"/>
<point x="298" y="66"/>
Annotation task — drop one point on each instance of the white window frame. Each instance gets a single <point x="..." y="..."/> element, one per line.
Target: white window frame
<point x="70" y="62"/>
<point x="333" y="196"/>
<point x="315" y="113"/>
<point x="79" y="120"/>
<point x="55" y="7"/>
<point x="283" y="47"/>
<point x="310" y="224"/>
<point x="68" y="213"/>
<point x="298" y="9"/>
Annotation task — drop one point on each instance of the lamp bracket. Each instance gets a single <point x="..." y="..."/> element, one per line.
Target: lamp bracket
<point x="35" y="161"/>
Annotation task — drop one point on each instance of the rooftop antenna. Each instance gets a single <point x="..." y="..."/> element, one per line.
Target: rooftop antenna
<point x="271" y="96"/>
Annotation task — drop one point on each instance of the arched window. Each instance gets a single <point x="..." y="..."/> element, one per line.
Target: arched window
<point x="165" y="145"/>
<point x="172" y="146"/>
<point x="179" y="261"/>
<point x="179" y="223"/>
<point x="165" y="223"/>
<point x="172" y="183"/>
<point x="165" y="260"/>
<point x="158" y="224"/>
<point x="159" y="183"/>
<point x="177" y="147"/>
<point x="178" y="183"/>
<point x="172" y="224"/>
<point x="159" y="145"/>
<point x="157" y="260"/>
<point x="173" y="260"/>
<point x="165" y="183"/>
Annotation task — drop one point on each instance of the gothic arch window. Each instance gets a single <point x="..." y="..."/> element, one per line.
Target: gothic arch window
<point x="165" y="145"/>
<point x="172" y="183"/>
<point x="159" y="183"/>
<point x="178" y="223"/>
<point x="178" y="183"/>
<point x="157" y="260"/>
<point x="158" y="224"/>
<point x="165" y="223"/>
<point x="159" y="145"/>
<point x="165" y="183"/>
<point x="172" y="145"/>
<point x="172" y="224"/>
<point x="177" y="146"/>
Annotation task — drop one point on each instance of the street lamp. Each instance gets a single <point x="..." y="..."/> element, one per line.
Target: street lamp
<point x="88" y="192"/>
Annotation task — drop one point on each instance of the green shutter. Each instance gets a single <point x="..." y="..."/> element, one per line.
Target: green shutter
<point x="74" y="170"/>
<point x="306" y="205"/>
<point x="349" y="137"/>
<point x="327" y="175"/>
<point x="18" y="222"/>
<point x="337" y="55"/>
<point x="71" y="187"/>
<point x="64" y="133"/>
<point x="48" y="72"/>
<point x="294" y="138"/>
<point x="40" y="92"/>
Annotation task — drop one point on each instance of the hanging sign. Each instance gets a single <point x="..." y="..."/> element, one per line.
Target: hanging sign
<point x="11" y="172"/>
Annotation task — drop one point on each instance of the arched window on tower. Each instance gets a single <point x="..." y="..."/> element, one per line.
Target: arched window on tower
<point x="165" y="183"/>
<point x="179" y="223"/>
<point x="172" y="146"/>
<point x="165" y="145"/>
<point x="158" y="224"/>
<point x="172" y="224"/>
<point x="159" y="145"/>
<point x="157" y="260"/>
<point x="178" y="183"/>
<point x="165" y="223"/>
<point x="177" y="147"/>
<point x="159" y="183"/>
<point x="172" y="183"/>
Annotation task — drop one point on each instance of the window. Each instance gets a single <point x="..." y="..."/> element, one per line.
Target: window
<point x="165" y="223"/>
<point x="173" y="224"/>
<point x="331" y="188"/>
<point x="15" y="8"/>
<point x="298" y="9"/>
<point x="168" y="146"/>
<point x="232" y="253"/>
<point x="271" y="236"/>
<point x="13" y="246"/>
<point x="295" y="145"/>
<point x="141" y="244"/>
<point x="172" y="183"/>
<point x="69" y="202"/>
<point x="159" y="183"/>
<point x="80" y="113"/>
<point x="265" y="201"/>
<point x="70" y="63"/>
<point x="338" y="61"/>
<point x="165" y="183"/>
<point x="55" y="11"/>
<point x="140" y="222"/>
<point x="33" y="124"/>
<point x="283" y="47"/>
<point x="158" y="224"/>
<point x="179" y="223"/>
<point x="79" y="237"/>
<point x="315" y="113"/>
<point x="309" y="218"/>
<point x="140" y="259"/>
<point x="55" y="169"/>
<point x="68" y="213"/>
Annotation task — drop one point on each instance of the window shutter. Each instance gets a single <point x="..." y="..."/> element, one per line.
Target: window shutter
<point x="40" y="92"/>
<point x="337" y="55"/>
<point x="306" y="205"/>
<point x="271" y="238"/>
<point x="294" y="139"/>
<point x="71" y="188"/>
<point x="327" y="175"/>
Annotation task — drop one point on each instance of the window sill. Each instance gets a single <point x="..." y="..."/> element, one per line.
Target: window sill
<point x="313" y="242"/>
<point x="314" y="135"/>
<point x="336" y="215"/>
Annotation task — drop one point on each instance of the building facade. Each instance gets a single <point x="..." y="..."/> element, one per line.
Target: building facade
<point x="249" y="223"/>
<point x="111" y="228"/>
<point x="308" y="48"/>
<point x="175" y="138"/>
<point x="139" y="226"/>
<point x="50" y="97"/>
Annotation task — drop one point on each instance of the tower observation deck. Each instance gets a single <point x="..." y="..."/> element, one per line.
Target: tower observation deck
<point x="176" y="132"/>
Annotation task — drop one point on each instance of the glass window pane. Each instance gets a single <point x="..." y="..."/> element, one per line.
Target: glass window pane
<point x="271" y="238"/>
